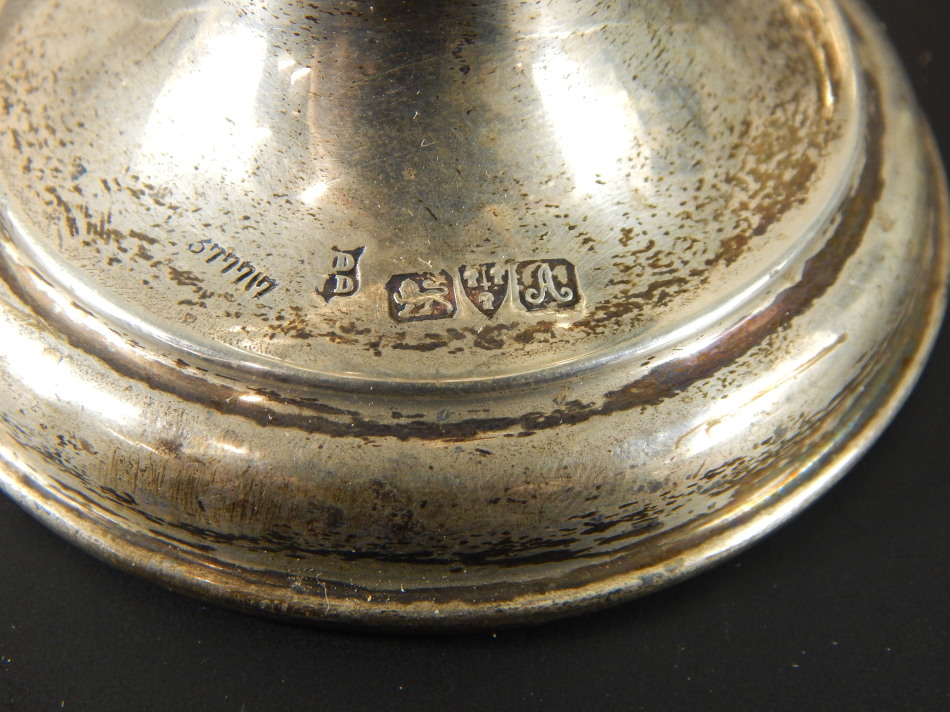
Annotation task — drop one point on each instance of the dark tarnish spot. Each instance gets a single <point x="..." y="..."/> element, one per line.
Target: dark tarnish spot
<point x="72" y="225"/>
<point x="169" y="447"/>
<point x="395" y="515"/>
<point x="663" y="382"/>
<point x="657" y="293"/>
<point x="183" y="277"/>
<point x="534" y="333"/>
<point x="142" y="237"/>
<point x="423" y="347"/>
<point x="491" y="338"/>
<point x="312" y="403"/>
<point x="644" y="519"/>
<point x="626" y="236"/>
<point x="328" y="515"/>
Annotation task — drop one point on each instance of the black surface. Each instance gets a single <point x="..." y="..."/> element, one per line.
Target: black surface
<point x="846" y="608"/>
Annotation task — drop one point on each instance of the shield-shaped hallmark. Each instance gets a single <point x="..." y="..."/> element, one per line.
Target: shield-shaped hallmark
<point x="486" y="286"/>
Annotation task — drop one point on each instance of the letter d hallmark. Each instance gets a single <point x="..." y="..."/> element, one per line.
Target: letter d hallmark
<point x="343" y="279"/>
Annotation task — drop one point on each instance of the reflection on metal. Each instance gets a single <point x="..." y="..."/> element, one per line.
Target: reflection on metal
<point x="450" y="314"/>
<point x="206" y="116"/>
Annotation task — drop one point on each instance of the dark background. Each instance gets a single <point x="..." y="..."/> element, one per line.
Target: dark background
<point x="846" y="608"/>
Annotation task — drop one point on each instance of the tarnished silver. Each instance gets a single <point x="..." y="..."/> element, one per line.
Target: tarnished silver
<point x="448" y="314"/>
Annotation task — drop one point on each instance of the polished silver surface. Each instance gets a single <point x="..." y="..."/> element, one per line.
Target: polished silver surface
<point x="447" y="314"/>
<point x="636" y="147"/>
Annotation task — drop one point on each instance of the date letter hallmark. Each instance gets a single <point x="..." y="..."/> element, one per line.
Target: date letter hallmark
<point x="344" y="277"/>
<point x="547" y="284"/>
<point x="246" y="273"/>
<point x="486" y="286"/>
<point x="421" y="297"/>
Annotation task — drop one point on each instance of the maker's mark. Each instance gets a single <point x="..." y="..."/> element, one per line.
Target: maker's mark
<point x="343" y="279"/>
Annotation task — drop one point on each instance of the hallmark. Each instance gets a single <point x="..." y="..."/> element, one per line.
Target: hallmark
<point x="547" y="284"/>
<point x="343" y="279"/>
<point x="486" y="286"/>
<point x="421" y="297"/>
<point x="540" y="285"/>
